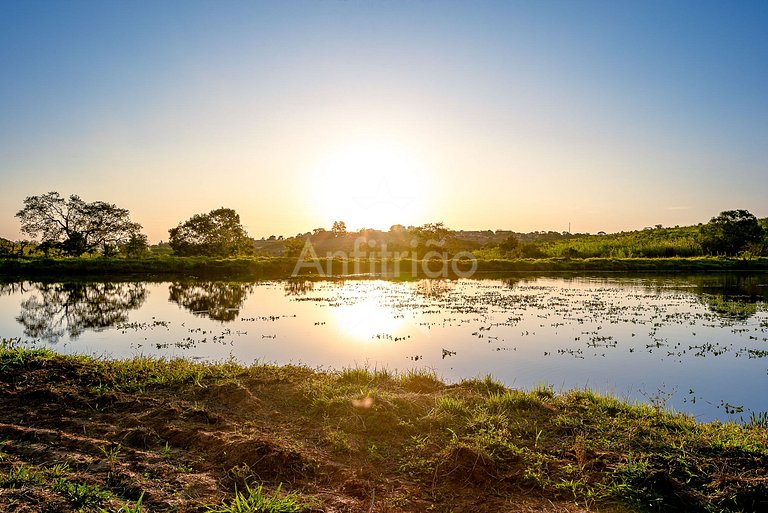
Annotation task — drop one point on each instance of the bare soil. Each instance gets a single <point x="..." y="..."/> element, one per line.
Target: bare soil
<point x="188" y="447"/>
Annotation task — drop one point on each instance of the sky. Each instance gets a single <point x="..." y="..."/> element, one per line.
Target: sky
<point x="522" y="115"/>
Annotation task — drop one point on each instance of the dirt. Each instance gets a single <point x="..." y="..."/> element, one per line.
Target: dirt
<point x="185" y="448"/>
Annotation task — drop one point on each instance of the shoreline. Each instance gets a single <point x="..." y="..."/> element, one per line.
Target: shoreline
<point x="283" y="267"/>
<point x="186" y="436"/>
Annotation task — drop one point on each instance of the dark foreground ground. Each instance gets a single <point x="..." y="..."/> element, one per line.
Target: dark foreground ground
<point x="78" y="434"/>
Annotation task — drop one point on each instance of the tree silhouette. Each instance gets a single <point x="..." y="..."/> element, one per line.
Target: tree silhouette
<point x="339" y="228"/>
<point x="731" y="232"/>
<point x="74" y="226"/>
<point x="217" y="233"/>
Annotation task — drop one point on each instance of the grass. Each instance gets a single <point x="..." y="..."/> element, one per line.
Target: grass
<point x="254" y="500"/>
<point x="128" y="507"/>
<point x="282" y="267"/>
<point x="80" y="495"/>
<point x="450" y="440"/>
<point x="649" y="243"/>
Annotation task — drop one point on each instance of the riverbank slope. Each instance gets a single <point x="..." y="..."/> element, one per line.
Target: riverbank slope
<point x="91" y="434"/>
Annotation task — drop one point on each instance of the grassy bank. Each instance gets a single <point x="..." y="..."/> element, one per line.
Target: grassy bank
<point x="280" y="267"/>
<point x="98" y="435"/>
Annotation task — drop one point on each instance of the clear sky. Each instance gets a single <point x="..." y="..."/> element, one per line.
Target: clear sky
<point x="522" y="115"/>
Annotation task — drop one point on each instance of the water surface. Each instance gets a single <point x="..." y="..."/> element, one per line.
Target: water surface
<point x="696" y="343"/>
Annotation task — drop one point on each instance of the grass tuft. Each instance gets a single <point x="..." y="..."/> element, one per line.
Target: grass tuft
<point x="253" y="500"/>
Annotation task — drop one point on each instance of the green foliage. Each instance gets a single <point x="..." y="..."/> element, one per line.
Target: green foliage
<point x="293" y="247"/>
<point x="255" y="501"/>
<point x="14" y="354"/>
<point x="217" y="233"/>
<point x="18" y="249"/>
<point x="578" y="444"/>
<point x="730" y="232"/>
<point x="128" y="508"/>
<point x="136" y="246"/>
<point x="74" y="226"/>
<point x="80" y="495"/>
<point x="18" y="477"/>
<point x="650" y="243"/>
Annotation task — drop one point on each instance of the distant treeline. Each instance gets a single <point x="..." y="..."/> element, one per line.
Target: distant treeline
<point x="71" y="227"/>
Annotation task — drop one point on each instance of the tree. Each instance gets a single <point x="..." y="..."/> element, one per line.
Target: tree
<point x="74" y="226"/>
<point x="293" y="247"/>
<point x="339" y="228"/>
<point x="431" y="234"/>
<point x="217" y="233"/>
<point x="509" y="244"/>
<point x="731" y="232"/>
<point x="136" y="246"/>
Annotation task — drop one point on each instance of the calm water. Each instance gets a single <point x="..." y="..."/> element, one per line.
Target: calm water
<point x="698" y="344"/>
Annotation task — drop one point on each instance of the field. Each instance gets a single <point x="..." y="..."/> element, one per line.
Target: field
<point x="80" y="434"/>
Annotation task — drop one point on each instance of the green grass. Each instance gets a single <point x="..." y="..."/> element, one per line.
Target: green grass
<point x="571" y="445"/>
<point x="20" y="476"/>
<point x="245" y="268"/>
<point x="653" y="243"/>
<point x="253" y="500"/>
<point x="128" y="507"/>
<point x="80" y="495"/>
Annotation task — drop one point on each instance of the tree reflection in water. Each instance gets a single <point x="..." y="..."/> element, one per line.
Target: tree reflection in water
<point x="217" y="300"/>
<point x="57" y="309"/>
<point x="15" y="287"/>
<point x="298" y="287"/>
<point x="731" y="297"/>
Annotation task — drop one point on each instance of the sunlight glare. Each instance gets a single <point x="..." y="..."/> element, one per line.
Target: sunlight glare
<point x="370" y="185"/>
<point x="368" y="321"/>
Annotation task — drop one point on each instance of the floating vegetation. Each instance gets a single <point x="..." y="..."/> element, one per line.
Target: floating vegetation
<point x="619" y="332"/>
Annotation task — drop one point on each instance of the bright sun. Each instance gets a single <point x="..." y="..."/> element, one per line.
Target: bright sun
<point x="370" y="185"/>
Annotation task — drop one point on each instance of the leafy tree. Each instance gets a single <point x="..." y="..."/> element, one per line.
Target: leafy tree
<point x="137" y="245"/>
<point x="18" y="249"/>
<point x="731" y="232"/>
<point x="531" y="250"/>
<point x="293" y="247"/>
<point x="339" y="228"/>
<point x="510" y="244"/>
<point x="6" y="247"/>
<point x="74" y="226"/>
<point x="217" y="233"/>
<point x="431" y="234"/>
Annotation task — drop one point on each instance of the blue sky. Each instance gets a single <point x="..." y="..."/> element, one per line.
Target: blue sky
<point x="520" y="115"/>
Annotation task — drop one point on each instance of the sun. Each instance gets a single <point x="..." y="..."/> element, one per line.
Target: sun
<point x="370" y="184"/>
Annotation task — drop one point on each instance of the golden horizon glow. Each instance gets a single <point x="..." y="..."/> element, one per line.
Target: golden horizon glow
<point x="370" y="184"/>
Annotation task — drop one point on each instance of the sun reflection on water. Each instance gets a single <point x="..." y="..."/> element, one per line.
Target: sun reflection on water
<point x="368" y="321"/>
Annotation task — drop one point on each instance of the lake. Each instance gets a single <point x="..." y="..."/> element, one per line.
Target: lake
<point x="697" y="344"/>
